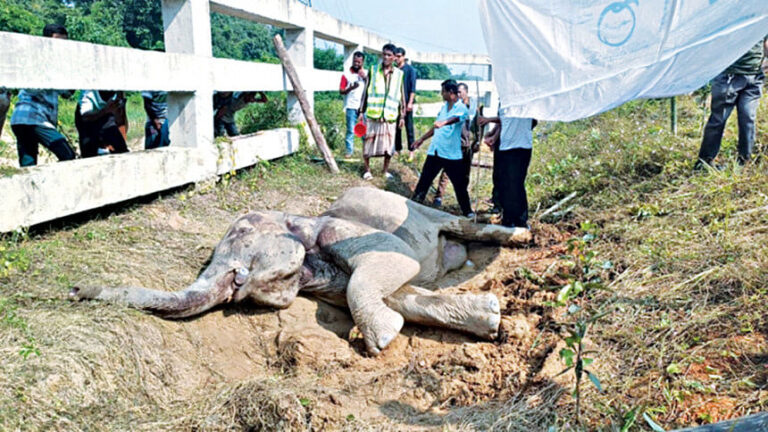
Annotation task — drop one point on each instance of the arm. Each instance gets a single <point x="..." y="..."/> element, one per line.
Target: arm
<point x="447" y="122"/>
<point x="426" y="136"/>
<point x="111" y="108"/>
<point x="346" y="87"/>
<point x="482" y="121"/>
<point x="364" y="99"/>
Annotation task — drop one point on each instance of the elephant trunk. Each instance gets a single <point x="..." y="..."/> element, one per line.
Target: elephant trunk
<point x="200" y="296"/>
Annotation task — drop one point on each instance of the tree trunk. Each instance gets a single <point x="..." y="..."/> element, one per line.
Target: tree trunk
<point x="290" y="70"/>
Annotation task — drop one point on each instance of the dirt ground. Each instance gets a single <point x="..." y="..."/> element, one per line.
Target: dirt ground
<point x="241" y="367"/>
<point x="327" y="379"/>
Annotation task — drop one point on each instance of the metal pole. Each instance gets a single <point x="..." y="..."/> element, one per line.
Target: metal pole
<point x="673" y="114"/>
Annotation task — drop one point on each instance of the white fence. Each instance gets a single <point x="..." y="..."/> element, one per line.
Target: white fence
<point x="189" y="72"/>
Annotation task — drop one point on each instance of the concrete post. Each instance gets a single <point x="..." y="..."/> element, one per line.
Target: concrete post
<point x="300" y="44"/>
<point x="187" y="26"/>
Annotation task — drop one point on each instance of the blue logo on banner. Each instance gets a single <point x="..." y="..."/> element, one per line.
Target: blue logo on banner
<point x="617" y="23"/>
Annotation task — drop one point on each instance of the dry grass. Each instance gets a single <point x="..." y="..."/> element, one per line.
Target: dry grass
<point x="686" y="342"/>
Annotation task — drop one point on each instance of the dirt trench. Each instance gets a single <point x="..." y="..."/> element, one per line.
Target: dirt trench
<point x="325" y="379"/>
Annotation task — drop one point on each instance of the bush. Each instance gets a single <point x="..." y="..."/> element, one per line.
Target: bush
<point x="270" y="115"/>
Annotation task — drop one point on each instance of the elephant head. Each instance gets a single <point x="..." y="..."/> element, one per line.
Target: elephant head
<point x="259" y="258"/>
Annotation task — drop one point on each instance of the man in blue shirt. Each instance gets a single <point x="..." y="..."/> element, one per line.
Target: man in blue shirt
<point x="36" y="116"/>
<point x="445" y="149"/>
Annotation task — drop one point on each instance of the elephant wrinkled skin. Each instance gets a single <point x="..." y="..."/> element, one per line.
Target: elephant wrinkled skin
<point x="364" y="253"/>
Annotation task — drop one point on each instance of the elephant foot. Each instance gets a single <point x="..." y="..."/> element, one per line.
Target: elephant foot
<point x="485" y="318"/>
<point x="381" y="329"/>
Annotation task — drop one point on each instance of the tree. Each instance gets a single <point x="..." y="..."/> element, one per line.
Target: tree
<point x="328" y="59"/>
<point x="432" y="71"/>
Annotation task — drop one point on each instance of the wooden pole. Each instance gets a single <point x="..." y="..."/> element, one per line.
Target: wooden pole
<point x="290" y="70"/>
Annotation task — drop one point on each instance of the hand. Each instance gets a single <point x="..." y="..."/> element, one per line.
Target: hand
<point x="158" y="124"/>
<point x="439" y="124"/>
<point x="482" y="121"/>
<point x="362" y="73"/>
<point x="409" y="107"/>
<point x="113" y="106"/>
<point x="401" y="124"/>
<point x="416" y="144"/>
<point x="360" y="118"/>
<point x="489" y="140"/>
<point x="354" y="85"/>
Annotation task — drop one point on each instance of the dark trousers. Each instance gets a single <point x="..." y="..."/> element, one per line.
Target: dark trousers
<point x="408" y="131"/>
<point x="466" y="158"/>
<point x="222" y="128"/>
<point x="29" y="137"/>
<point x="454" y="169"/>
<point x="512" y="166"/>
<point x="100" y="133"/>
<point x="5" y="103"/>
<point x="495" y="200"/>
<point x="728" y="91"/>
<point x="154" y="138"/>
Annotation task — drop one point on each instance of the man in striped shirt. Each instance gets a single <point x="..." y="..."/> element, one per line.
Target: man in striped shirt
<point x="36" y="115"/>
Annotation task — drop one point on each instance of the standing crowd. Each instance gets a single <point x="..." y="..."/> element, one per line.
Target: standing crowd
<point x="100" y="118"/>
<point x="380" y="101"/>
<point x="379" y="104"/>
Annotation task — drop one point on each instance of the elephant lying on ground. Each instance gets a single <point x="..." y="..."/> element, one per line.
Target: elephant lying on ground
<point x="363" y="253"/>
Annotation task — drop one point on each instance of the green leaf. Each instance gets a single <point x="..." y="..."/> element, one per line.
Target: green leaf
<point x="350" y="417"/>
<point x="587" y="361"/>
<point x="673" y="369"/>
<point x="652" y="424"/>
<point x="564" y="294"/>
<point x="567" y="355"/>
<point x="304" y="402"/>
<point x="595" y="381"/>
<point x="629" y="420"/>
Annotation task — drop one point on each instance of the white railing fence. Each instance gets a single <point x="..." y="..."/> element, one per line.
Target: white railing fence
<point x="190" y="74"/>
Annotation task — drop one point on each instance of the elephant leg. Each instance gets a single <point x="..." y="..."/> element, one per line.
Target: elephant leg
<point x="498" y="234"/>
<point x="478" y="314"/>
<point x="376" y="275"/>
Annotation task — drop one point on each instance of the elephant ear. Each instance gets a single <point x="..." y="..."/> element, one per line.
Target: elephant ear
<point x="275" y="269"/>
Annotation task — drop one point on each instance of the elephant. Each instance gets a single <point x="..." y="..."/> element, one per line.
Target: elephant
<point x="367" y="252"/>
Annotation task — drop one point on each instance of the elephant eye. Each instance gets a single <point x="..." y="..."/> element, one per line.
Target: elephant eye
<point x="241" y="275"/>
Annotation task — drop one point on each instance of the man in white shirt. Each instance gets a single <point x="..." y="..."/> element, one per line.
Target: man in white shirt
<point x="514" y="138"/>
<point x="352" y="87"/>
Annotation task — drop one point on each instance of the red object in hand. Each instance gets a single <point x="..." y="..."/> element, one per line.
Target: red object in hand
<point x="360" y="129"/>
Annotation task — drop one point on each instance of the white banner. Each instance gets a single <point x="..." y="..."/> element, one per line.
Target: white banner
<point x="570" y="59"/>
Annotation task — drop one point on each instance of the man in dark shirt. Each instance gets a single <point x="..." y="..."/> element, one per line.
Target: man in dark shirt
<point x="738" y="86"/>
<point x="409" y="88"/>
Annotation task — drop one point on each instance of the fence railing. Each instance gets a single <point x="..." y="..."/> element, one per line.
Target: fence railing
<point x="188" y="71"/>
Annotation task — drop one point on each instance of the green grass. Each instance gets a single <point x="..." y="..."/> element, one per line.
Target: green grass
<point x="685" y="341"/>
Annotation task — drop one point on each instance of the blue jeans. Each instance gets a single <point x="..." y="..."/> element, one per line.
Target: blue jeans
<point x="351" y="121"/>
<point x="728" y="91"/>
<point x="154" y="138"/>
<point x="28" y="137"/>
